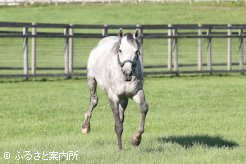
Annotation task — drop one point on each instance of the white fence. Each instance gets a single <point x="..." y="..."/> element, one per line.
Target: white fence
<point x="25" y="2"/>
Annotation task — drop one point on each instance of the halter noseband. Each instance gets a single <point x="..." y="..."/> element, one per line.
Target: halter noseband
<point x="134" y="63"/>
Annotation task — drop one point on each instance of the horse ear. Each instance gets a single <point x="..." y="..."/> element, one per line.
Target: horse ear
<point x="120" y="34"/>
<point x="136" y="34"/>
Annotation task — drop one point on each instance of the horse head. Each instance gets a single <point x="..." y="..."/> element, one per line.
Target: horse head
<point x="128" y="53"/>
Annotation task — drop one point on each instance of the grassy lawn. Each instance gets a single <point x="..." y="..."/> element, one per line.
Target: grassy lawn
<point x="144" y="13"/>
<point x="191" y="120"/>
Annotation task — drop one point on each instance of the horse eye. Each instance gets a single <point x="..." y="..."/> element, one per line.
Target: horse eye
<point x="119" y="50"/>
<point x="137" y="52"/>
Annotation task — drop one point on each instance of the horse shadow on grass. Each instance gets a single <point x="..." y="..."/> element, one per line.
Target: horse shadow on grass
<point x="189" y="141"/>
<point x="192" y="140"/>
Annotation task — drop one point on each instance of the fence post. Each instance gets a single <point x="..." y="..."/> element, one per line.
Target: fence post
<point x="83" y="2"/>
<point x="229" y="52"/>
<point x="175" y="51"/>
<point x="169" y="42"/>
<point x="199" y="49"/>
<point x="25" y="54"/>
<point x="105" y="31"/>
<point x="140" y="39"/>
<point x="209" y="51"/>
<point x="66" y="52"/>
<point x="71" y="33"/>
<point x="241" y="63"/>
<point x="34" y="32"/>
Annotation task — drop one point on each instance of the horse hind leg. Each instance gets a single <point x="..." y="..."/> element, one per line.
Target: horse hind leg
<point x="122" y="107"/>
<point x="93" y="103"/>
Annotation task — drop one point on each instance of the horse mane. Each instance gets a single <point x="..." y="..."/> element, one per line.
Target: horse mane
<point x="130" y="39"/>
<point x="116" y="46"/>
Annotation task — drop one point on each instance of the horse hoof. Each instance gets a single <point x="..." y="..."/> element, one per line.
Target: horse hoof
<point x="135" y="141"/>
<point x="85" y="130"/>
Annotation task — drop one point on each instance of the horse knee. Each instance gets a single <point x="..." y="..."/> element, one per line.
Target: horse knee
<point x="144" y="108"/>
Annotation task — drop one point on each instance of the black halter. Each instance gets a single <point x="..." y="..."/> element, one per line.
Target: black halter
<point x="134" y="63"/>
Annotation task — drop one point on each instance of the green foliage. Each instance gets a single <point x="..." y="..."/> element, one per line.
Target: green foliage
<point x="191" y="120"/>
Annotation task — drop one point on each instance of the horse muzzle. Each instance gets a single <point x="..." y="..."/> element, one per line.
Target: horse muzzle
<point x="127" y="75"/>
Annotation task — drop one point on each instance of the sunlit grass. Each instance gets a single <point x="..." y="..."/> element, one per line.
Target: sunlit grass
<point x="191" y="119"/>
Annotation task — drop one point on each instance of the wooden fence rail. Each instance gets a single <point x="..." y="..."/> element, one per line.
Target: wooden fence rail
<point x="173" y="33"/>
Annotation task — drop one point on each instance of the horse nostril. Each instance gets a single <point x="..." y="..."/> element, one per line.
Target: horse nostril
<point x="130" y="74"/>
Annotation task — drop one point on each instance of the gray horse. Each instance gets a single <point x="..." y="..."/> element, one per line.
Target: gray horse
<point x="115" y="66"/>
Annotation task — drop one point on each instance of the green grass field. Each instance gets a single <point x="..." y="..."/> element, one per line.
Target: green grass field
<point x="143" y="13"/>
<point x="197" y="119"/>
<point x="191" y="120"/>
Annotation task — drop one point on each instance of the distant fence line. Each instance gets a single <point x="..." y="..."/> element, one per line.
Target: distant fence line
<point x="171" y="32"/>
<point x="56" y="2"/>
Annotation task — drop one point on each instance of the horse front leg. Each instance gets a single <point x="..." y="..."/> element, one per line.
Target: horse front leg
<point x="140" y="99"/>
<point x="119" y="118"/>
